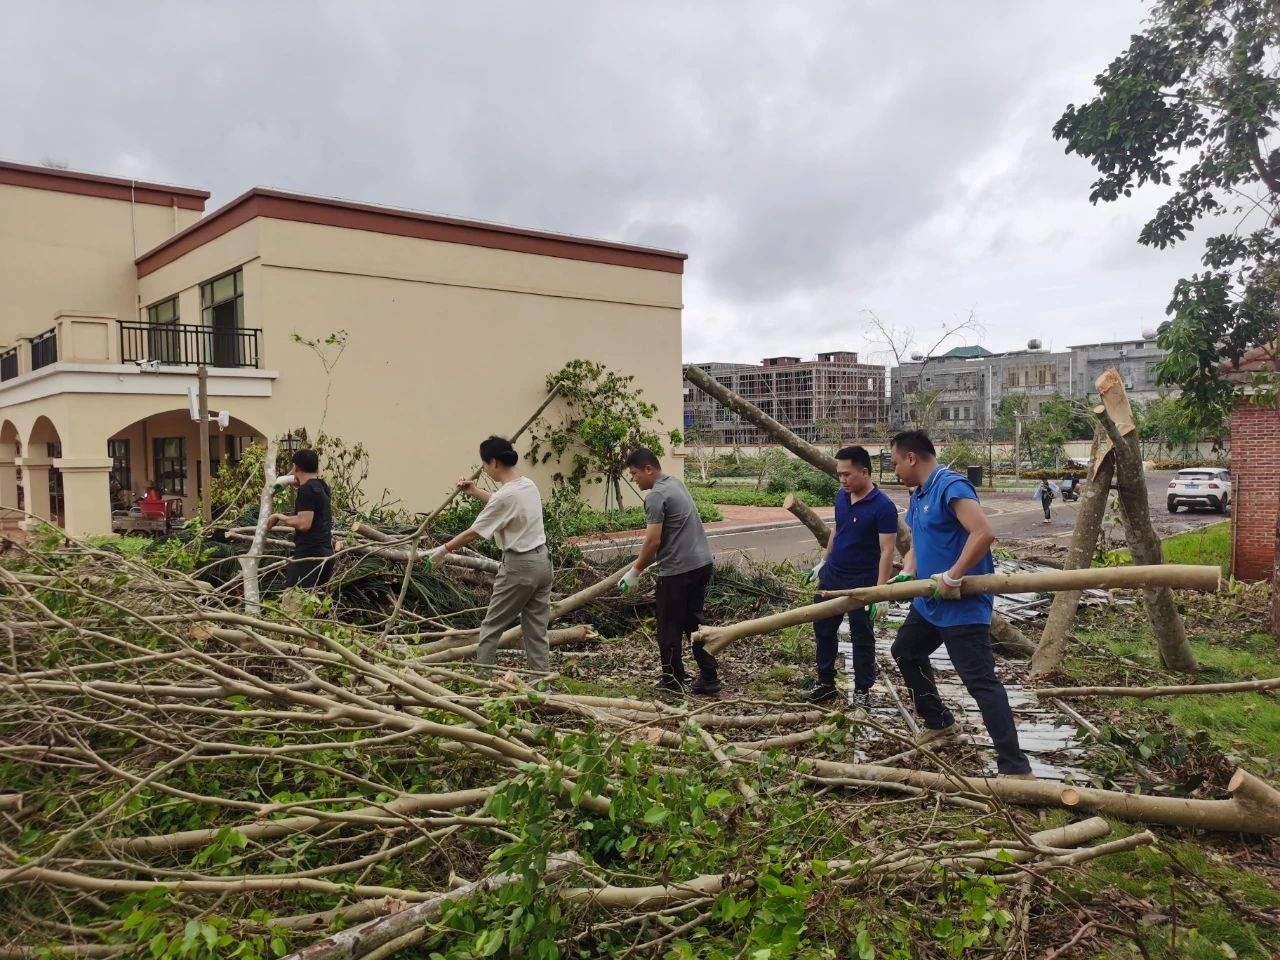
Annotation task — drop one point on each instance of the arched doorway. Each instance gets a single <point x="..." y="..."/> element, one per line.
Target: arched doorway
<point x="10" y="488"/>
<point x="43" y="493"/>
<point x="163" y="449"/>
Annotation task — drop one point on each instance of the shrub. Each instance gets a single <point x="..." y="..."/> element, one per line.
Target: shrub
<point x="738" y="497"/>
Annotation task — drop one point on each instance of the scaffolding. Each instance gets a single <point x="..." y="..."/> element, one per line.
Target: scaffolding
<point x="830" y="400"/>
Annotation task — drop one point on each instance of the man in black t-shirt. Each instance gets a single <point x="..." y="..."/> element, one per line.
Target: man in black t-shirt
<point x="312" y="524"/>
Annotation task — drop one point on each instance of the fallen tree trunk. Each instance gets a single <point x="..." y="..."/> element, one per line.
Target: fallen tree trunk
<point x="1084" y="541"/>
<point x="409" y="926"/>
<point x="804" y="513"/>
<point x="750" y="412"/>
<point x="1254" y="805"/>
<point x="1146" y="693"/>
<point x="1144" y="546"/>
<point x="1206" y="578"/>
<point x="1006" y="639"/>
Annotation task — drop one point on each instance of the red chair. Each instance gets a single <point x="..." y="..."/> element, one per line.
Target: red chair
<point x="153" y="506"/>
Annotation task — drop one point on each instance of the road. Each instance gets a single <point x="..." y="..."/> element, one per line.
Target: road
<point x="1016" y="518"/>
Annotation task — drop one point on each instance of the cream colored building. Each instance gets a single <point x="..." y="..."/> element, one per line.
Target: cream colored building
<point x="453" y="327"/>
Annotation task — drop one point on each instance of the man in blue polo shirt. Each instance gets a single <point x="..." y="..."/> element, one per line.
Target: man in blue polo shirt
<point x="859" y="554"/>
<point x="950" y="538"/>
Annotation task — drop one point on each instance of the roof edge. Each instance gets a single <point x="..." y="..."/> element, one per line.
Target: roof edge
<point x="100" y="185"/>
<point x="347" y="214"/>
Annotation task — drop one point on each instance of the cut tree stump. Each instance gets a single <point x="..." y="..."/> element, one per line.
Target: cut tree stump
<point x="1084" y="541"/>
<point x="1116" y="415"/>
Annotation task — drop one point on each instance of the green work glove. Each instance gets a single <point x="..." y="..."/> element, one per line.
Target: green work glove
<point x="903" y="578"/>
<point x="811" y="577"/>
<point x="433" y="557"/>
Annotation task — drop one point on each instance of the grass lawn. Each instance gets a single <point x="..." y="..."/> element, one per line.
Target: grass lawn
<point x="1205" y="545"/>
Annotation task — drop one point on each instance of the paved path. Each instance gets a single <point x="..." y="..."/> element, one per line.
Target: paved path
<point x="772" y="535"/>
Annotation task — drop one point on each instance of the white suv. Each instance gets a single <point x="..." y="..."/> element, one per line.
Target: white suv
<point x="1200" y="487"/>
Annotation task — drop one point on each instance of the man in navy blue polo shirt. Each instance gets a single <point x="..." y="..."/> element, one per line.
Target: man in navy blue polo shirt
<point x="950" y="538"/>
<point x="859" y="554"/>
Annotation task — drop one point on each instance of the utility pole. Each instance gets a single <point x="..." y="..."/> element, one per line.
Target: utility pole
<point x="206" y="507"/>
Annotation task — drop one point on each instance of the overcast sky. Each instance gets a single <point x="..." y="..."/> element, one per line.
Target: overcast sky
<point x="816" y="160"/>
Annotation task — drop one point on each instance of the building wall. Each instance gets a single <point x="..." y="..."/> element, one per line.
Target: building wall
<point x="64" y="251"/>
<point x="446" y="343"/>
<point x="1255" y="479"/>
<point x="981" y="383"/>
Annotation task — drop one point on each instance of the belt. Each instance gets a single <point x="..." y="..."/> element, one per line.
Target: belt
<point x="523" y="553"/>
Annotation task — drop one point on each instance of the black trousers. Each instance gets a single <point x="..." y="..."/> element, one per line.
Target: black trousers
<point x="308" y="572"/>
<point x="680" y="598"/>
<point x="969" y="647"/>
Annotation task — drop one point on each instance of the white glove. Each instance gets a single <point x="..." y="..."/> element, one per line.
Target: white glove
<point x="285" y="480"/>
<point x="812" y="576"/>
<point x="629" y="581"/>
<point x="433" y="557"/>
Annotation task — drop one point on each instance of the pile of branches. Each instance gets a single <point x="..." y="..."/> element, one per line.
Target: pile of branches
<point x="181" y="779"/>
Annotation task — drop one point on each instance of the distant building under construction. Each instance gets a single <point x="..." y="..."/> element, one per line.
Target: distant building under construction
<point x="829" y="400"/>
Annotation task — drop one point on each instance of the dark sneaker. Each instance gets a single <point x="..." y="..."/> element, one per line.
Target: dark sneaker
<point x="822" y="693"/>
<point x="706" y="685"/>
<point x="669" y="684"/>
<point x="861" y="700"/>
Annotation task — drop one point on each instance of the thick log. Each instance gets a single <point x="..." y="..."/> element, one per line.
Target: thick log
<point x="804" y="513"/>
<point x="1254" y="805"/>
<point x="1144" y="546"/>
<point x="1084" y="541"/>
<point x="1146" y="693"/>
<point x="409" y="926"/>
<point x="1206" y="578"/>
<point x="1006" y="639"/>
<point x="750" y="412"/>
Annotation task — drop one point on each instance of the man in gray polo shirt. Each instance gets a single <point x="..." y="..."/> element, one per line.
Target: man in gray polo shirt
<point x="674" y="536"/>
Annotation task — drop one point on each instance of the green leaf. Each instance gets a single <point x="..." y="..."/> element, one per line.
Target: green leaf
<point x="656" y="815"/>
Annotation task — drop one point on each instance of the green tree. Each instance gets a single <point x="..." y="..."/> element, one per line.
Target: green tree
<point x="1197" y="94"/>
<point x="601" y="420"/>
<point x="1198" y="88"/>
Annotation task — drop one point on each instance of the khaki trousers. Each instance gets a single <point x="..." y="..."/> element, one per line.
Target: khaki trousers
<point x="522" y="591"/>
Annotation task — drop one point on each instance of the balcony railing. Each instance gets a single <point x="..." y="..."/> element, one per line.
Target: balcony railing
<point x="180" y="344"/>
<point x="44" y="349"/>
<point x="9" y="364"/>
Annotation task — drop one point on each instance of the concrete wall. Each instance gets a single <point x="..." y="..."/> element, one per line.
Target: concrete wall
<point x="1255" y="480"/>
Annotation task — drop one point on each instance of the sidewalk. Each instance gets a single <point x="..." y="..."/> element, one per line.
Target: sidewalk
<point x="736" y="520"/>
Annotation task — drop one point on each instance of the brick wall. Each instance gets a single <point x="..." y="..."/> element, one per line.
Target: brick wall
<point x="1255" y="477"/>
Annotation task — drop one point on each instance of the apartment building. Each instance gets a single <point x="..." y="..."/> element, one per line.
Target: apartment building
<point x="452" y="327"/>
<point x="961" y="390"/>
<point x="824" y="400"/>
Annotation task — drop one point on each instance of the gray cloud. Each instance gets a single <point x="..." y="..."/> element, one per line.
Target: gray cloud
<point x="814" y="160"/>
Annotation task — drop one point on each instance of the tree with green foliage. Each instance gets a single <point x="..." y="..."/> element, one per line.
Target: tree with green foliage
<point x="601" y="420"/>
<point x="1193" y="103"/>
